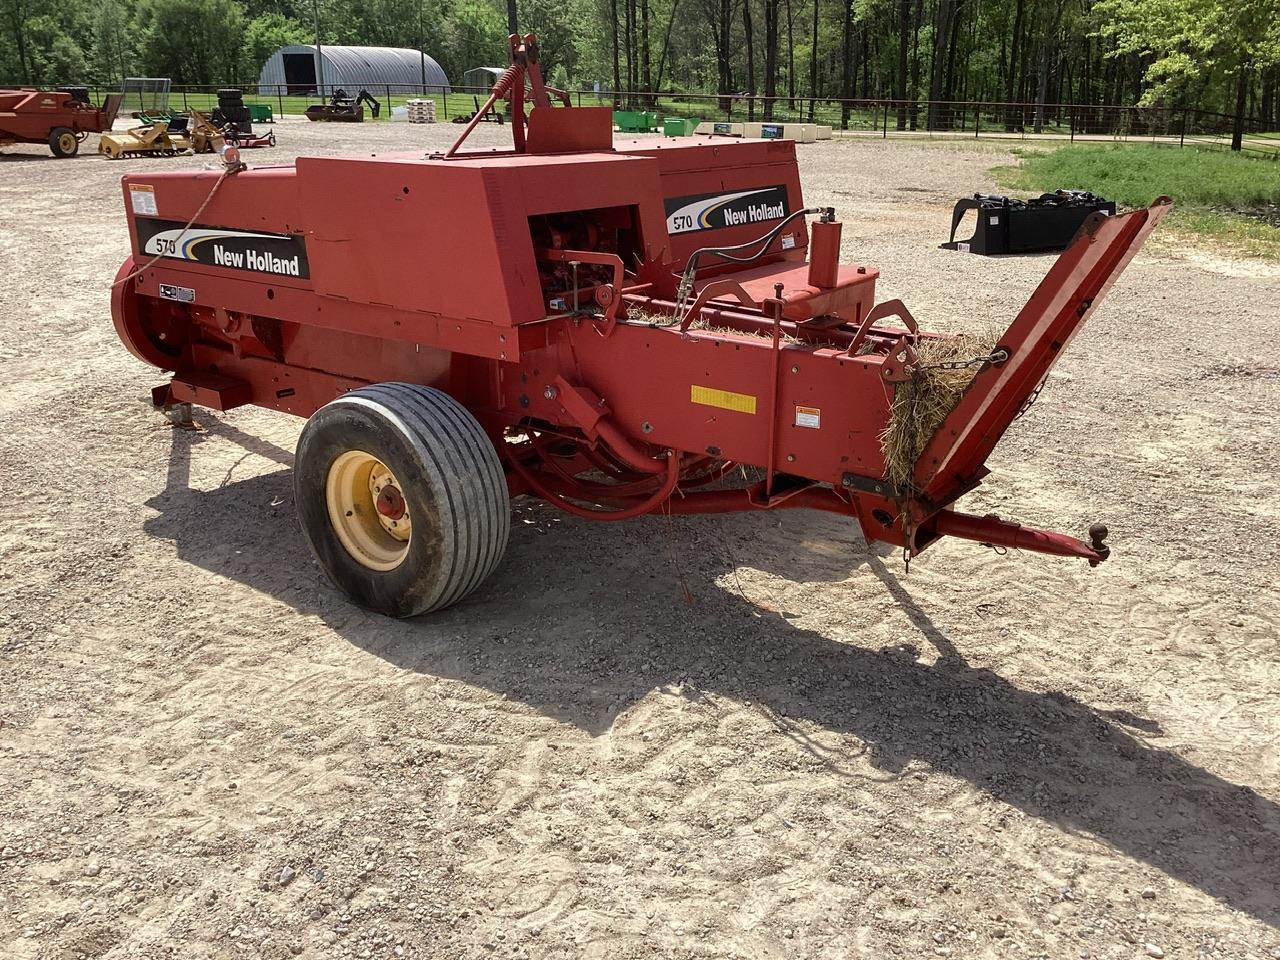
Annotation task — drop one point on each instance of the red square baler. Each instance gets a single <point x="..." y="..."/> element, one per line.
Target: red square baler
<point x="60" y="118"/>
<point x="614" y="328"/>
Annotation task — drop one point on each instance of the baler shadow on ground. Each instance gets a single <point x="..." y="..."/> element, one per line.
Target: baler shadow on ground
<point x="1046" y="754"/>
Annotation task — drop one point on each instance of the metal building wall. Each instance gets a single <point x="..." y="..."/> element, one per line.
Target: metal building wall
<point x="482" y="77"/>
<point x="352" y="68"/>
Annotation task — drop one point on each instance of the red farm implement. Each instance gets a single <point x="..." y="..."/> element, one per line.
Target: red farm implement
<point x="610" y="327"/>
<point x="60" y="118"/>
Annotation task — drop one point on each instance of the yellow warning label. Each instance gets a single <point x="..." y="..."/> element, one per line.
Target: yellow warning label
<point x="810" y="417"/>
<point x="724" y="399"/>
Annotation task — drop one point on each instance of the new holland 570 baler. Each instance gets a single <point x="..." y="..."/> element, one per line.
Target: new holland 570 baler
<point x="608" y="327"/>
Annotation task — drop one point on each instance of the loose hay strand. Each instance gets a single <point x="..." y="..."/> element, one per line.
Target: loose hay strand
<point x="921" y="404"/>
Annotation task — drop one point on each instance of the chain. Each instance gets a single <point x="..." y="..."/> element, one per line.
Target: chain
<point x="994" y="357"/>
<point x="1027" y="404"/>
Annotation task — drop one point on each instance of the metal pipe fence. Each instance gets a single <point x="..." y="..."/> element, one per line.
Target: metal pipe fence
<point x="885" y="118"/>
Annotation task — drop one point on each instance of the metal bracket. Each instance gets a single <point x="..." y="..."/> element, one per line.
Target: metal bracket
<point x="881" y="488"/>
<point x="901" y="359"/>
<point x="882" y="311"/>
<point x="713" y="291"/>
<point x="607" y="295"/>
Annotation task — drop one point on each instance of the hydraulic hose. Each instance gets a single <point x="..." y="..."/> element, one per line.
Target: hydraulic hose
<point x="727" y="254"/>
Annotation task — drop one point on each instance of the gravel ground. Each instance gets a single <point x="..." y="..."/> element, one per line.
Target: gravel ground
<point x="750" y="736"/>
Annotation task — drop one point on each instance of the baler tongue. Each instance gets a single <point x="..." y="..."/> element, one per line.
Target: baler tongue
<point x="953" y="460"/>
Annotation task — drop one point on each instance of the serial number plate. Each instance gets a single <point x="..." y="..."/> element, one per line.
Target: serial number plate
<point x="181" y="294"/>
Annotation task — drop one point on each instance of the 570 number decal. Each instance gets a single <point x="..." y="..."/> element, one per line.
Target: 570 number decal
<point x="715" y="211"/>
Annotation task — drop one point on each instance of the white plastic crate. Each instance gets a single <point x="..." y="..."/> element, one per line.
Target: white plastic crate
<point x="799" y="132"/>
<point x="717" y="128"/>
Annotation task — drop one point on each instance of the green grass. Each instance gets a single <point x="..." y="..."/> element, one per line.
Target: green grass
<point x="1215" y="192"/>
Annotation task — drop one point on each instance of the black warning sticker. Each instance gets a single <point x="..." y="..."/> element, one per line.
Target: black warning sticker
<point x="713" y="211"/>
<point x="283" y="255"/>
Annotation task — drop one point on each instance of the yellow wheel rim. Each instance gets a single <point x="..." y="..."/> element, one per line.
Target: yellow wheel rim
<point x="368" y="511"/>
<point x="67" y="142"/>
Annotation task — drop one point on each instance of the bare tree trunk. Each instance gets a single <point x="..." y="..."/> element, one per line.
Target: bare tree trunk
<point x="949" y="76"/>
<point x="968" y="52"/>
<point x="791" y="62"/>
<point x="629" y="45"/>
<point x="866" y="64"/>
<point x="749" y="39"/>
<point x="813" y="63"/>
<point x="1048" y="52"/>
<point x="1015" y="48"/>
<point x="941" y="40"/>
<point x="645" y="58"/>
<point x="723" y="31"/>
<point x="1083" y="95"/>
<point x="513" y="19"/>
<point x="617" y="67"/>
<point x="1042" y="87"/>
<point x="846" y="71"/>
<point x="18" y="23"/>
<point x="770" y="55"/>
<point x="904" y="28"/>
<point x="1242" y="90"/>
<point x="913" y="117"/>
<point x="120" y="50"/>
<point x="1268" y="111"/>
<point x="666" y="45"/>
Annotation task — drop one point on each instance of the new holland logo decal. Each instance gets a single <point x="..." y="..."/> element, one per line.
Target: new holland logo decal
<point x="714" y="211"/>
<point x="282" y="255"/>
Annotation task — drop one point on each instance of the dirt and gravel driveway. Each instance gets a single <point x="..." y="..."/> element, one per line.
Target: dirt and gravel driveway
<point x="702" y="737"/>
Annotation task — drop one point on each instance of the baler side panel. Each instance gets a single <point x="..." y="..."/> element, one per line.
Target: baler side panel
<point x="702" y="168"/>
<point x="306" y="377"/>
<point x="264" y="200"/>
<point x="713" y="395"/>
<point x="414" y="237"/>
<point x="452" y="238"/>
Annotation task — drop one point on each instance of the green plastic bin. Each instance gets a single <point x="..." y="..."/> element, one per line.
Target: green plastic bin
<point x="261" y="113"/>
<point x="635" y="121"/>
<point x="678" y="127"/>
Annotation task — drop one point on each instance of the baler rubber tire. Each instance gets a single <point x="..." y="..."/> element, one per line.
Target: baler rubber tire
<point x="452" y="483"/>
<point x="59" y="148"/>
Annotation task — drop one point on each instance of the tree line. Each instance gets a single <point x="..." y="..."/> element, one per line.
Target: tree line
<point x="1212" y="55"/>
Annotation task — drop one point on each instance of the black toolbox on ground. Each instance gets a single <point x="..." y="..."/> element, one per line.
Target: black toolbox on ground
<point x="1049" y="222"/>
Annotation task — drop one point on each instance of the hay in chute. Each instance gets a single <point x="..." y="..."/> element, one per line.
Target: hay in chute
<point x="921" y="403"/>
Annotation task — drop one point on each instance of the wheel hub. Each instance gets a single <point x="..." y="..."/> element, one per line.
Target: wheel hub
<point x="390" y="502"/>
<point x="368" y="511"/>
